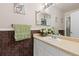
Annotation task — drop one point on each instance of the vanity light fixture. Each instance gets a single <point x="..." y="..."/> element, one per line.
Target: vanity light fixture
<point x="45" y="6"/>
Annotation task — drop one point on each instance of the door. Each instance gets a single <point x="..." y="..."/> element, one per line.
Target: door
<point x="75" y="24"/>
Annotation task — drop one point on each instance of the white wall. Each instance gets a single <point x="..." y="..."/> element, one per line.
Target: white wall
<point x="70" y="12"/>
<point x="57" y="17"/>
<point x="8" y="17"/>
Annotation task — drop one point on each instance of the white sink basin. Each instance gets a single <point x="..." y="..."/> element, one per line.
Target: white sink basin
<point x="51" y="38"/>
<point x="57" y="39"/>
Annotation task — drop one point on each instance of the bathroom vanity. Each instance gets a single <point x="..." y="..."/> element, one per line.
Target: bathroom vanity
<point x="48" y="46"/>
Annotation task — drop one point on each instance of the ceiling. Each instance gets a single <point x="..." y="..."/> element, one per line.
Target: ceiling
<point x="65" y="7"/>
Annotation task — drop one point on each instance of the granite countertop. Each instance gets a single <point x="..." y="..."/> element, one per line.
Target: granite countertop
<point x="64" y="43"/>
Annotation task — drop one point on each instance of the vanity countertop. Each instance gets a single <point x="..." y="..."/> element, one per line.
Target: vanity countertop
<point x="12" y="29"/>
<point x="6" y="29"/>
<point x="64" y="43"/>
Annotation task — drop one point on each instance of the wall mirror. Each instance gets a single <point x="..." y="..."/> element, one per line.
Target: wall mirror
<point x="43" y="19"/>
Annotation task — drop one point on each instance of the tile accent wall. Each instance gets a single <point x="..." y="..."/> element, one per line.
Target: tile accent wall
<point x="10" y="47"/>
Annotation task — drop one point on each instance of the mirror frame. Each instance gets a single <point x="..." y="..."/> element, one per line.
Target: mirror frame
<point x="36" y="18"/>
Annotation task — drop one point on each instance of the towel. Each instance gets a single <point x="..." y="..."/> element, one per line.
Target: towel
<point x="22" y="31"/>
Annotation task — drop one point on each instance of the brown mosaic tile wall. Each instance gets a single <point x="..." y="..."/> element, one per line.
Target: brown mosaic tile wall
<point x="10" y="47"/>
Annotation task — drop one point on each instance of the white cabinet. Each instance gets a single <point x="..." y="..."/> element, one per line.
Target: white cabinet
<point x="43" y="49"/>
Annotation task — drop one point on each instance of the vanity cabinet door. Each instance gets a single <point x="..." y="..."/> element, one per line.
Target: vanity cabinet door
<point x="39" y="48"/>
<point x="35" y="47"/>
<point x="55" y="51"/>
<point x="44" y="49"/>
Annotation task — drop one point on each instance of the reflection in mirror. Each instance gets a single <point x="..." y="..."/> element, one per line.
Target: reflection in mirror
<point x="43" y="19"/>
